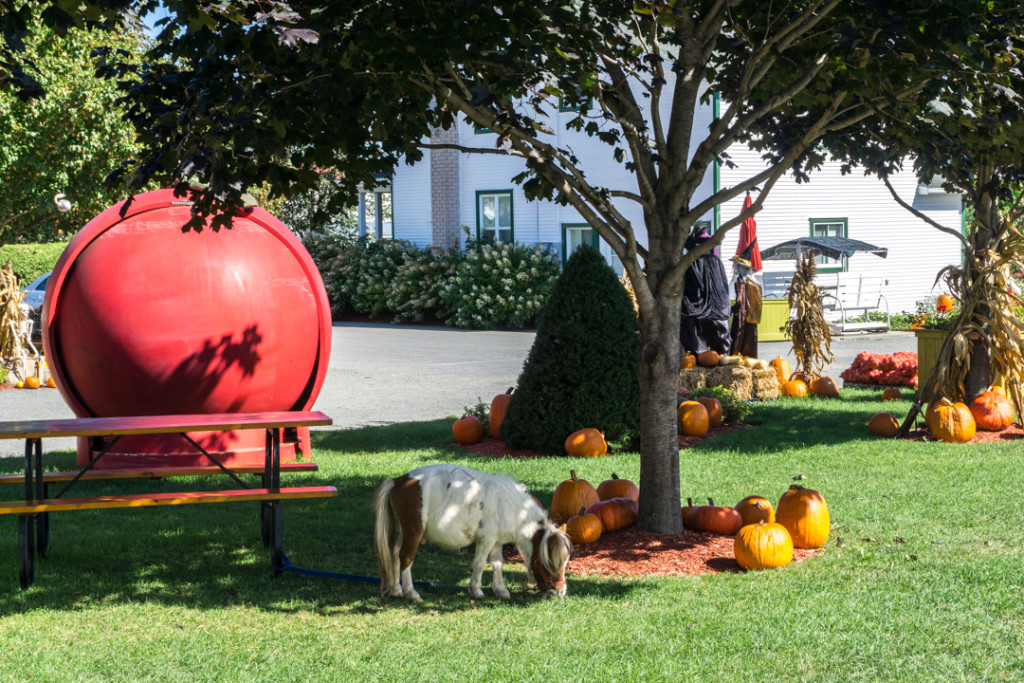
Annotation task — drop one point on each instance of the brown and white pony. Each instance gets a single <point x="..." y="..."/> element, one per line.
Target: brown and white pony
<point x="454" y="506"/>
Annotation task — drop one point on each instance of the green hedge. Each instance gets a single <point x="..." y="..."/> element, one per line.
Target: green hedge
<point x="29" y="261"/>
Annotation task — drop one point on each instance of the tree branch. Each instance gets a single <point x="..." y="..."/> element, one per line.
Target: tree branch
<point x="922" y="216"/>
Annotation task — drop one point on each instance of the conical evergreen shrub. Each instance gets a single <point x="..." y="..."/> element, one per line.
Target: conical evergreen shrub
<point x="582" y="369"/>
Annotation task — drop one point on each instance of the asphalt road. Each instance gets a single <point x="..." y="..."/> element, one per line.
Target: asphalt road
<point x="383" y="374"/>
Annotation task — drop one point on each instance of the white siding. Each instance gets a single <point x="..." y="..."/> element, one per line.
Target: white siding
<point x="917" y="251"/>
<point x="410" y="202"/>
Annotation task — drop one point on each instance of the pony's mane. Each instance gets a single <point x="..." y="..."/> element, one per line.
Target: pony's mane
<point x="554" y="557"/>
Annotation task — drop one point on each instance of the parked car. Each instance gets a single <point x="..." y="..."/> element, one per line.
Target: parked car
<point x="33" y="298"/>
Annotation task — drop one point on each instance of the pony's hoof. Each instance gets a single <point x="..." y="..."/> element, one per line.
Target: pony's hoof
<point x="503" y="594"/>
<point x="476" y="595"/>
<point x="414" y="597"/>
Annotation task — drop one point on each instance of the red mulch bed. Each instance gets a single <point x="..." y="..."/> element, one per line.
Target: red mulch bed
<point x="498" y="449"/>
<point x="1011" y="433"/>
<point x="631" y="552"/>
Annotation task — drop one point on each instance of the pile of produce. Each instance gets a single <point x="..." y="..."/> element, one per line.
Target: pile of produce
<point x="895" y="369"/>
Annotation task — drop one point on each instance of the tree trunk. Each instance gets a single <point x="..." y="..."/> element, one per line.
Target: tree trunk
<point x="986" y="229"/>
<point x="659" y="447"/>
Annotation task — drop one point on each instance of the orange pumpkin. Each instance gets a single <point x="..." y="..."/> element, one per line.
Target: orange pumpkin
<point x="586" y="443"/>
<point x="617" y="488"/>
<point x="992" y="411"/>
<point x="945" y="302"/>
<point x="685" y="510"/>
<point x="50" y="383"/>
<point x="804" y="513"/>
<point x="468" y="430"/>
<point x="824" y="387"/>
<point x="883" y="424"/>
<point x="615" y="513"/>
<point x="794" y="388"/>
<point x="32" y="382"/>
<point x="754" y="509"/>
<point x="693" y="418"/>
<point x="952" y="422"/>
<point x="718" y="519"/>
<point x="689" y="360"/>
<point x="571" y="495"/>
<point x="499" y="404"/>
<point x="709" y="358"/>
<point x="583" y="528"/>
<point x="782" y="369"/>
<point x="763" y="546"/>
<point x="714" y="408"/>
<point x="892" y="394"/>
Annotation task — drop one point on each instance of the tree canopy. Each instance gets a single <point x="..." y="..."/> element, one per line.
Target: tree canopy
<point x="66" y="142"/>
<point x="245" y="92"/>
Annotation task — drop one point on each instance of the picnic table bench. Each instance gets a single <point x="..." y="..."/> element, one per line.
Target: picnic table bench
<point x="33" y="511"/>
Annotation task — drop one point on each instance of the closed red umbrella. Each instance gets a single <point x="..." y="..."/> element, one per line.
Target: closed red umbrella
<point x="748" y="237"/>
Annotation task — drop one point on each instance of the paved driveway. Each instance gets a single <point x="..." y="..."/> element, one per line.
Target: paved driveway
<point x="382" y="373"/>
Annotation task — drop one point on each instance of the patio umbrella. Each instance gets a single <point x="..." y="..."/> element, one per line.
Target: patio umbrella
<point x="832" y="247"/>
<point x="748" y="239"/>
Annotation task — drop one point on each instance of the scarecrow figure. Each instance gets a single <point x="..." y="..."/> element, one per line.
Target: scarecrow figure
<point x="704" y="324"/>
<point x="746" y="312"/>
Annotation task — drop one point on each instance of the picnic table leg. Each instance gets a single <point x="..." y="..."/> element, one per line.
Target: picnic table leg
<point x="275" y="513"/>
<point x="26" y="523"/>
<point x="266" y="507"/>
<point x="43" y="519"/>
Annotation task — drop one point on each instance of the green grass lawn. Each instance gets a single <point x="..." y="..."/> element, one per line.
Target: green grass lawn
<point x="922" y="578"/>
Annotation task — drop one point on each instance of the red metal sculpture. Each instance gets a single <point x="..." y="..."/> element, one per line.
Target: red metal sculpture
<point x="144" y="319"/>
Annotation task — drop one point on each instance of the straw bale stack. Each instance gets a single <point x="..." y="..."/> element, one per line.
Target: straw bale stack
<point x="745" y="383"/>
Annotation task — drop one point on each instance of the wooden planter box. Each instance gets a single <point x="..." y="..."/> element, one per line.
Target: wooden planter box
<point x="929" y="343"/>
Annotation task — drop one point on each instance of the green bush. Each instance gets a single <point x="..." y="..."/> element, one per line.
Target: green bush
<point x="358" y="277"/>
<point x="499" y="285"/>
<point x="582" y="369"/>
<point x="29" y="261"/>
<point x="733" y="409"/>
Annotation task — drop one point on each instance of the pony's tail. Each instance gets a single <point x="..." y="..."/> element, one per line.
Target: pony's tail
<point x="384" y="535"/>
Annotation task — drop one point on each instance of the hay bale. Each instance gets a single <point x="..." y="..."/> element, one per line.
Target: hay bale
<point x="735" y="378"/>
<point x="765" y="384"/>
<point x="693" y="378"/>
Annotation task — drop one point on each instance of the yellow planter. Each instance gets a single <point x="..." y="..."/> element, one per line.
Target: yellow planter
<point x="774" y="316"/>
<point x="929" y="343"/>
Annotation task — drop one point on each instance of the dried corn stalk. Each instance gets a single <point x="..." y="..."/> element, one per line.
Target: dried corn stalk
<point x="807" y="327"/>
<point x="993" y="289"/>
<point x="10" y="313"/>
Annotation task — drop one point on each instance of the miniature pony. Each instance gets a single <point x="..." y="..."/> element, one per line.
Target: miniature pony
<point x="455" y="506"/>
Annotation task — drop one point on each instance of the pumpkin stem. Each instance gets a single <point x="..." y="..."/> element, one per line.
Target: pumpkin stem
<point x="509" y="390"/>
<point x="689" y="502"/>
<point x="711" y="502"/>
<point x="572" y="474"/>
<point x="582" y="510"/>
<point x="796" y="487"/>
<point x="614" y="476"/>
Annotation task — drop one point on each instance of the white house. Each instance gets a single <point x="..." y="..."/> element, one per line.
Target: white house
<point x="448" y="189"/>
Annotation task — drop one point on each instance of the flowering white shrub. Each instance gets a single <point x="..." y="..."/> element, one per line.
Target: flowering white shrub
<point x="484" y="287"/>
<point x="500" y="285"/>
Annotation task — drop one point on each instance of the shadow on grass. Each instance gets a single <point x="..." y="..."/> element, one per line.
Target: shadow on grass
<point x="211" y="557"/>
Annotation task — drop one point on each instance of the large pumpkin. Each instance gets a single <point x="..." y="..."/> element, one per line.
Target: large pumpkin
<point x="892" y="394"/>
<point x="763" y="546"/>
<point x="951" y="422"/>
<point x="615" y="513"/>
<point x="883" y="424"/>
<point x="718" y="519"/>
<point x="468" y="430"/>
<point x="499" y="404"/>
<point x="944" y="303"/>
<point x="782" y="369"/>
<point x="824" y="387"/>
<point x="709" y="358"/>
<point x="586" y="443"/>
<point x="794" y="388"/>
<point x="714" y="408"/>
<point x="693" y="418"/>
<point x="992" y="411"/>
<point x="804" y="513"/>
<point x="754" y="509"/>
<point x="617" y="488"/>
<point x="583" y="528"/>
<point x="571" y="495"/>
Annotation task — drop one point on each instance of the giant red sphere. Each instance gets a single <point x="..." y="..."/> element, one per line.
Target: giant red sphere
<point x="145" y="319"/>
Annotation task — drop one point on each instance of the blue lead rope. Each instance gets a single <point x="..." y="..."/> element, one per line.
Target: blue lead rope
<point x="289" y="567"/>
